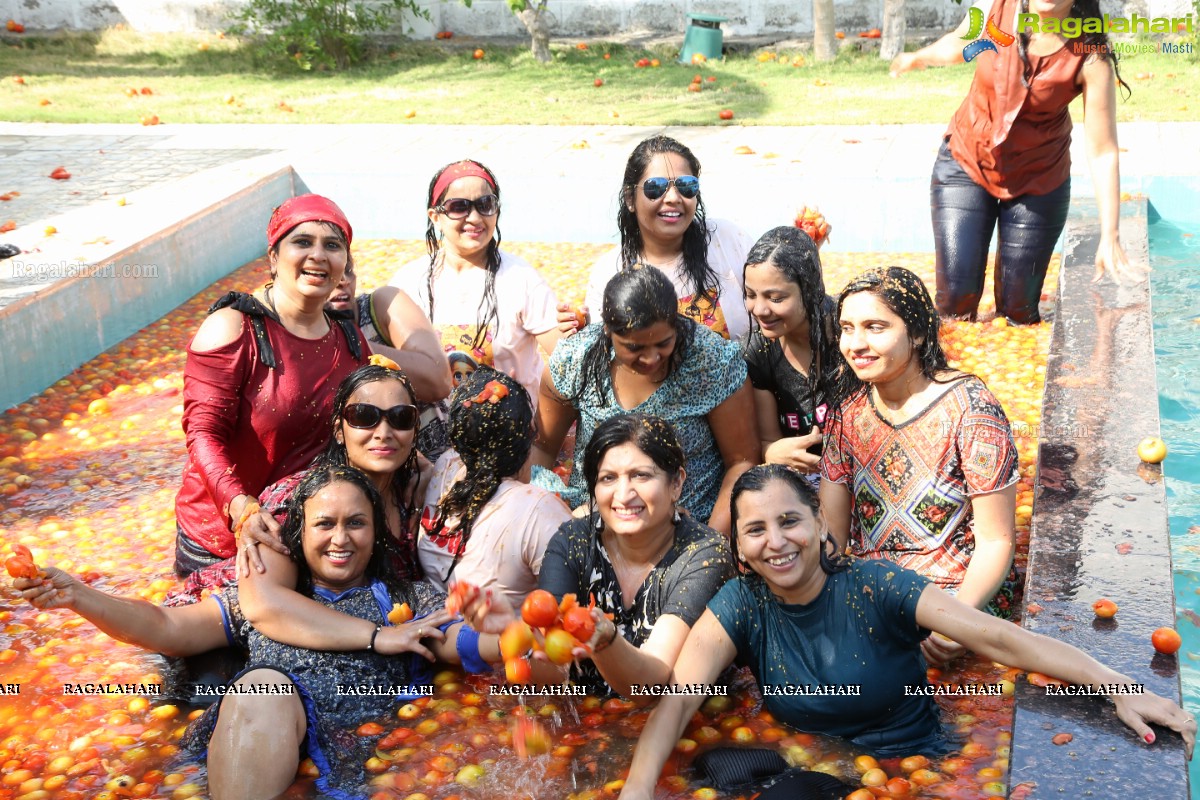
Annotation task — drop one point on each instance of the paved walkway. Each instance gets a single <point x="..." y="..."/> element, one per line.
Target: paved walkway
<point x="558" y="183"/>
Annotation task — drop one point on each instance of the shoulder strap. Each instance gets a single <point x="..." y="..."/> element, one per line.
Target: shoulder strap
<point x="256" y="312"/>
<point x="345" y="321"/>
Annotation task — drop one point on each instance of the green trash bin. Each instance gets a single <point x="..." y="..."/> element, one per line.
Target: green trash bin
<point x="703" y="36"/>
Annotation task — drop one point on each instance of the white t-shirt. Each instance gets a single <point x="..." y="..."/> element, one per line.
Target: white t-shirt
<point x="525" y="307"/>
<point x="507" y="542"/>
<point x="727" y="249"/>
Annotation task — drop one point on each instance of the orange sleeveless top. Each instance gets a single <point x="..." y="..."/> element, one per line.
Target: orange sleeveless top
<point x="1010" y="139"/>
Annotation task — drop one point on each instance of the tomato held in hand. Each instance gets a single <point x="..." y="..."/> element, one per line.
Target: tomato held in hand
<point x="579" y="623"/>
<point x="516" y="640"/>
<point x="517" y="670"/>
<point x="540" y="609"/>
<point x="558" y="646"/>
<point x="21" y="567"/>
<point x="1166" y="641"/>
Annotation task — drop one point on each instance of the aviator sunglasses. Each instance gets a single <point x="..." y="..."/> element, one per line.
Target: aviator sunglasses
<point x="365" y="416"/>
<point x="688" y="186"/>
<point x="460" y="207"/>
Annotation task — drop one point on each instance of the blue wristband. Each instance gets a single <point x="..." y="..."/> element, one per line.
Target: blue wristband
<point x="467" y="646"/>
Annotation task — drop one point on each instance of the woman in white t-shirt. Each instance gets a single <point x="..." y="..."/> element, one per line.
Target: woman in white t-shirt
<point x="662" y="223"/>
<point x="486" y="304"/>
<point x="481" y="524"/>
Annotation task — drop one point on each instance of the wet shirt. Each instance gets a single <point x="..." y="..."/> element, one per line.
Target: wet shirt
<point x="711" y="372"/>
<point x="248" y="425"/>
<point x="681" y="583"/>
<point x="911" y="484"/>
<point x="770" y="371"/>
<point x="861" y="634"/>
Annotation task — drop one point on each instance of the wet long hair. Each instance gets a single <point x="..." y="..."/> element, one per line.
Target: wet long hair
<point x="323" y="474"/>
<point x="653" y="435"/>
<point x="1098" y="43"/>
<point x="755" y="480"/>
<point x="487" y="316"/>
<point x="792" y="252"/>
<point x="701" y="277"/>
<point x="905" y="295"/>
<point x="634" y="300"/>
<point x="335" y="452"/>
<point x="493" y="441"/>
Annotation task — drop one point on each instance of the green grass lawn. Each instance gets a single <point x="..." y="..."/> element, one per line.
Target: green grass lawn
<point x="203" y="78"/>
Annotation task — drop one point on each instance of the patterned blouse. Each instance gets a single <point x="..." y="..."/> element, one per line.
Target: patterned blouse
<point x="338" y="689"/>
<point x="682" y="583"/>
<point x="711" y="373"/>
<point x="912" y="483"/>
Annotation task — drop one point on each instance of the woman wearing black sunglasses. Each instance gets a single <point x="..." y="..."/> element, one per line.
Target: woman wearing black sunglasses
<point x="373" y="428"/>
<point x="662" y="223"/>
<point x="491" y="305"/>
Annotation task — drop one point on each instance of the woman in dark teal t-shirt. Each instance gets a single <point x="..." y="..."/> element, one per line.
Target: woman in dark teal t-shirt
<point x="835" y="643"/>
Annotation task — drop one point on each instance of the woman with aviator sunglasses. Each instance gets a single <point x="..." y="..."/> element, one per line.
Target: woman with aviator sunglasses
<point x="373" y="430"/>
<point x="662" y="223"/>
<point x="486" y="303"/>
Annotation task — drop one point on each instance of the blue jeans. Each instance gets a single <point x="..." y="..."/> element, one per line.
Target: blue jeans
<point x="964" y="216"/>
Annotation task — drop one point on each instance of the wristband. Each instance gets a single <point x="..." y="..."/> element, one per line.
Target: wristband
<point x="467" y="645"/>
<point x="371" y="644"/>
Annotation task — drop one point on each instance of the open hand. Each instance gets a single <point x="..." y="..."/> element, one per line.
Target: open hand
<point x="486" y="611"/>
<point x="407" y="638"/>
<point x="1136" y="710"/>
<point x="1112" y="262"/>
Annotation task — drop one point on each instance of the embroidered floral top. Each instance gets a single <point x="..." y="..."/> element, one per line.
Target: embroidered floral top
<point x="912" y="483"/>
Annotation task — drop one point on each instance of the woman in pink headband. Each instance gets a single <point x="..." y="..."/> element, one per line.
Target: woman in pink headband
<point x="260" y="377"/>
<point x="485" y="303"/>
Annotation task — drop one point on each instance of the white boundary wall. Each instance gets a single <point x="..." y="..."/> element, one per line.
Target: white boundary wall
<point x="598" y="18"/>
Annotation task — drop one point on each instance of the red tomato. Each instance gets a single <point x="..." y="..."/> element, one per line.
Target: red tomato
<point x="516" y="640"/>
<point x="20" y="567"/>
<point x="60" y="174"/>
<point x="579" y="623"/>
<point x="517" y="670"/>
<point x="478" y="54"/>
<point x="725" y="113"/>
<point x="540" y="609"/>
<point x="1104" y="608"/>
<point x="1166" y="641"/>
<point x="598" y="82"/>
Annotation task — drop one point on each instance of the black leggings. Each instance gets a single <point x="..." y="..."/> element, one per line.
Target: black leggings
<point x="964" y="215"/>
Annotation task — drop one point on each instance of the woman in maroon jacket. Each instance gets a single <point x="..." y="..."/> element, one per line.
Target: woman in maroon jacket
<point x="260" y="378"/>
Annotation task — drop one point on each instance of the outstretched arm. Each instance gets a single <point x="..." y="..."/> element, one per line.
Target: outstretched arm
<point x="707" y="651"/>
<point x="1010" y="644"/>
<point x="945" y="52"/>
<point x="180" y="631"/>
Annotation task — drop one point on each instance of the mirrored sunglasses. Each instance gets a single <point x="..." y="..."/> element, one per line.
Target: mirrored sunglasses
<point x="365" y="415"/>
<point x="460" y="207"/>
<point x="688" y="186"/>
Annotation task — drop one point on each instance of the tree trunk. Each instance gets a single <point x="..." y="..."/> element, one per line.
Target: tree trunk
<point x="533" y="17"/>
<point x="825" y="46"/>
<point x="891" y="44"/>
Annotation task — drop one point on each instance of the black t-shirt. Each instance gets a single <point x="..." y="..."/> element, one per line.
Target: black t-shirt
<point x="682" y="583"/>
<point x="770" y="371"/>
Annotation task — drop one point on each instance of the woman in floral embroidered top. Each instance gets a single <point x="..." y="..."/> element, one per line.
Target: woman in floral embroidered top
<point x="920" y="466"/>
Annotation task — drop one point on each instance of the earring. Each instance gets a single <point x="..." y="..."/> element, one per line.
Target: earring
<point x="675" y="516"/>
<point x="441" y="234"/>
<point x="599" y="523"/>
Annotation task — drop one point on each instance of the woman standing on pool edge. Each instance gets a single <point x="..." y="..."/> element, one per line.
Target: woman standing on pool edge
<point x="1006" y="155"/>
<point x="662" y="223"/>
<point x="489" y="304"/>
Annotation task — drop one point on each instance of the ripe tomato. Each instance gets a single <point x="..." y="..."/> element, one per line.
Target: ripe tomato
<point x="516" y="640"/>
<point x="1104" y="608"/>
<point x="725" y="113"/>
<point x="478" y="54"/>
<point x="579" y="623"/>
<point x="598" y="82"/>
<point x="540" y="609"/>
<point x="517" y="670"/>
<point x="558" y="646"/>
<point x="60" y="174"/>
<point x="400" y="614"/>
<point x="1166" y="641"/>
<point x="21" y="567"/>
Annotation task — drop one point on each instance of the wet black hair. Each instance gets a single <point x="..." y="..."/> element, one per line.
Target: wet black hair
<point x="492" y="439"/>
<point x="323" y="474"/>
<point x="653" y="435"/>
<point x="792" y="252"/>
<point x="756" y="479"/>
<point x="904" y="293"/>
<point x="634" y="300"/>
<point x="488" y="316"/>
<point x="701" y="276"/>
<point x="1096" y="42"/>
<point x="335" y="451"/>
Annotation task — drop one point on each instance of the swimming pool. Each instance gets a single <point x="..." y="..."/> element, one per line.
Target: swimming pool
<point x="1175" y="285"/>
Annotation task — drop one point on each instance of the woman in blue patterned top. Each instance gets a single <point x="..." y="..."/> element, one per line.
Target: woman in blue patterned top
<point x="254" y="741"/>
<point x="847" y="633"/>
<point x="647" y="357"/>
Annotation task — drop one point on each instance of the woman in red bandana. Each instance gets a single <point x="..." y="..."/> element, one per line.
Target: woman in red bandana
<point x="484" y="303"/>
<point x="260" y="378"/>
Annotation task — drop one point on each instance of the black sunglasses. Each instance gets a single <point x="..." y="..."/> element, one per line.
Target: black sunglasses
<point x="460" y="207"/>
<point x="365" y="415"/>
<point x="687" y="185"/>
